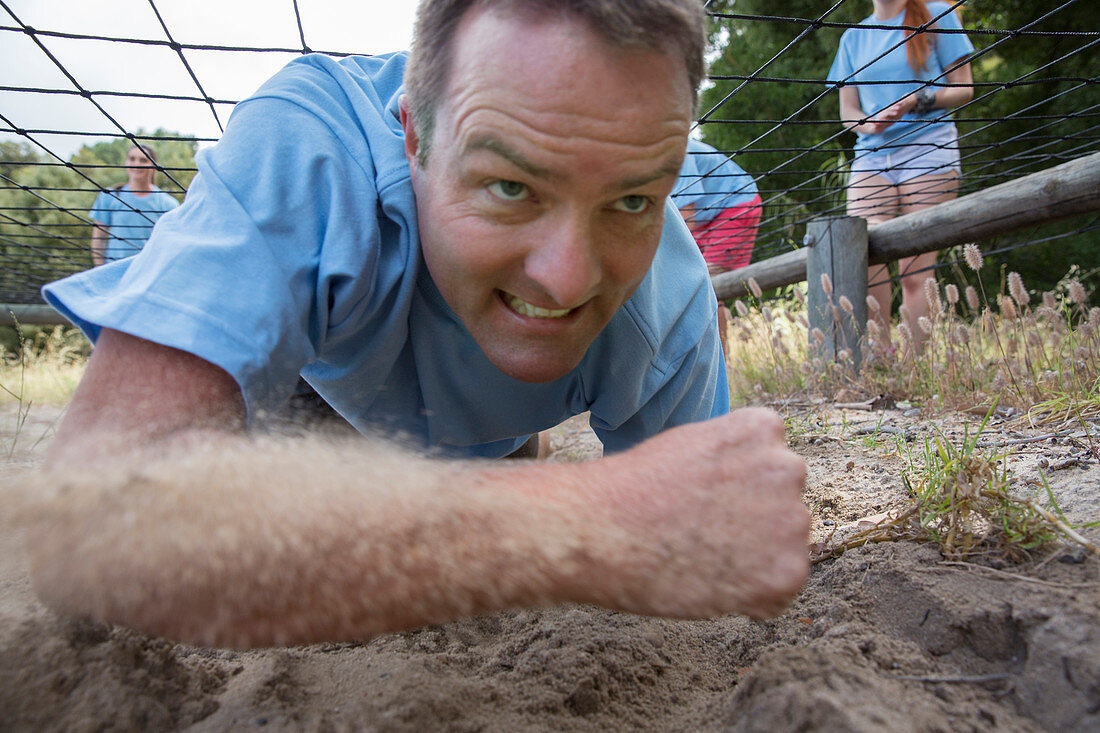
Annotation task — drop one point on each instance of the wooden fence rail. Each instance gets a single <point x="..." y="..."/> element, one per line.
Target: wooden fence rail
<point x="1066" y="190"/>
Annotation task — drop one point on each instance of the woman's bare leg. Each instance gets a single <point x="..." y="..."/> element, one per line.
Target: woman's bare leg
<point x="915" y="195"/>
<point x="875" y="199"/>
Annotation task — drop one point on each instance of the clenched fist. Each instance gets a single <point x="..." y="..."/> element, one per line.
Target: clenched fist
<point x="703" y="520"/>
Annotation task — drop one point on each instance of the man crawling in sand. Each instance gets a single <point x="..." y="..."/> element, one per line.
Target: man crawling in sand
<point x="463" y="245"/>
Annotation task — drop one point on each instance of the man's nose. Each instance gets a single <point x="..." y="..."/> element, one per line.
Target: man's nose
<point x="565" y="260"/>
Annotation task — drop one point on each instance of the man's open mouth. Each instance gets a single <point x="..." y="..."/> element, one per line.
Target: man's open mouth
<point x="533" y="311"/>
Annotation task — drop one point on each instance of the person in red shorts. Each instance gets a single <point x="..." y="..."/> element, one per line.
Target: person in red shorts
<point x="721" y="205"/>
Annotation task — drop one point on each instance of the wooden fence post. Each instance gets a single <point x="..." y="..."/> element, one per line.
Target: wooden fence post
<point x="837" y="248"/>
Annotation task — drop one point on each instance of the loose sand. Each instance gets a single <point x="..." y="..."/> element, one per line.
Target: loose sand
<point x="885" y="638"/>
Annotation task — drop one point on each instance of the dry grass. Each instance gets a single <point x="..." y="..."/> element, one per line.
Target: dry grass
<point x="960" y="500"/>
<point x="1041" y="358"/>
<point x="45" y="370"/>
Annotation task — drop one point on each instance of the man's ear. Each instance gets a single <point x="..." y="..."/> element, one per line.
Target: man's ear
<point x="412" y="140"/>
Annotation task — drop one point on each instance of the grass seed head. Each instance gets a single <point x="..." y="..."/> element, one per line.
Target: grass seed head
<point x="1017" y="290"/>
<point x="932" y="297"/>
<point x="846" y="304"/>
<point x="972" y="301"/>
<point x="872" y="305"/>
<point x="741" y="308"/>
<point x="1077" y="292"/>
<point x="826" y="283"/>
<point x="973" y="257"/>
<point x="952" y="293"/>
<point x="754" y="288"/>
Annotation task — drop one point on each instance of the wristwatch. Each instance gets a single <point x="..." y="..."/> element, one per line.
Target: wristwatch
<point x="926" y="100"/>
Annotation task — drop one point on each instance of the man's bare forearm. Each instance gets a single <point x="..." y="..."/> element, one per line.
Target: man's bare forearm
<point x="155" y="511"/>
<point x="246" y="543"/>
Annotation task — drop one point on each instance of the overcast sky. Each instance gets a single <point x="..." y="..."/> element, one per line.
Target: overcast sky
<point x="359" y="26"/>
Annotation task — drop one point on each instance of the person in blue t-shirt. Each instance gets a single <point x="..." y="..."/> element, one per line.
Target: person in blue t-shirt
<point x="896" y="87"/>
<point x="126" y="214"/>
<point x="464" y="245"/>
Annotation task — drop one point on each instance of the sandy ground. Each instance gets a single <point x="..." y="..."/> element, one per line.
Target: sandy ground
<point x="885" y="638"/>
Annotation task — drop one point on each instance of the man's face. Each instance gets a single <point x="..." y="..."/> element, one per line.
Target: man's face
<point x="541" y="203"/>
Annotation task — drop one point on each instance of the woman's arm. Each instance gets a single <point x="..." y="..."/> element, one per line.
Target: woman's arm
<point x="99" y="245"/>
<point x="851" y="114"/>
<point x="958" y="91"/>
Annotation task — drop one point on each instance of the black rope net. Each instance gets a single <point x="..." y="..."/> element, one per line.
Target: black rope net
<point x="766" y="105"/>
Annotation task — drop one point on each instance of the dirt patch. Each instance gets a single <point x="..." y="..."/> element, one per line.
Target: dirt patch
<point x="885" y="637"/>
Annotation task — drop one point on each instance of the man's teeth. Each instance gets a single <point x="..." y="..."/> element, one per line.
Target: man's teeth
<point x="526" y="309"/>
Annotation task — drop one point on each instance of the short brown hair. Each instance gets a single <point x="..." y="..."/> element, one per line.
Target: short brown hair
<point x="668" y="26"/>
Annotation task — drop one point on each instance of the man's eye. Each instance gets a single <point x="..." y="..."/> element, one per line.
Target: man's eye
<point x="632" y="204"/>
<point x="508" y="190"/>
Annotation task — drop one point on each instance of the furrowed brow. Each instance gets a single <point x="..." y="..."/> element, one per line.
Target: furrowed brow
<point x="499" y="147"/>
<point x="669" y="170"/>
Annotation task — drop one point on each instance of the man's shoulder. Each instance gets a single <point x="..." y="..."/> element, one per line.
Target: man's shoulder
<point x="350" y="102"/>
<point x="379" y="76"/>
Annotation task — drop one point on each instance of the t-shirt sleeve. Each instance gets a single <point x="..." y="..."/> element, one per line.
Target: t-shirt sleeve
<point x="842" y="67"/>
<point x="232" y="276"/>
<point x="951" y="47"/>
<point x="101" y="209"/>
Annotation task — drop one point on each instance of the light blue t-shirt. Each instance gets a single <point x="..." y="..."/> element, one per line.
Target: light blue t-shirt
<point x="129" y="218"/>
<point x="297" y="250"/>
<point x="711" y="182"/>
<point x="861" y="60"/>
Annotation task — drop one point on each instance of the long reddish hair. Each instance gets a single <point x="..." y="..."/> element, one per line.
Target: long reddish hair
<point x="917" y="46"/>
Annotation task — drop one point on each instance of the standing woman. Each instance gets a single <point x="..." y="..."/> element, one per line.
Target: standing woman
<point x="124" y="216"/>
<point x="898" y="86"/>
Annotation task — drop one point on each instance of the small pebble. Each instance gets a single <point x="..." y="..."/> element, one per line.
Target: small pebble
<point x="828" y="522"/>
